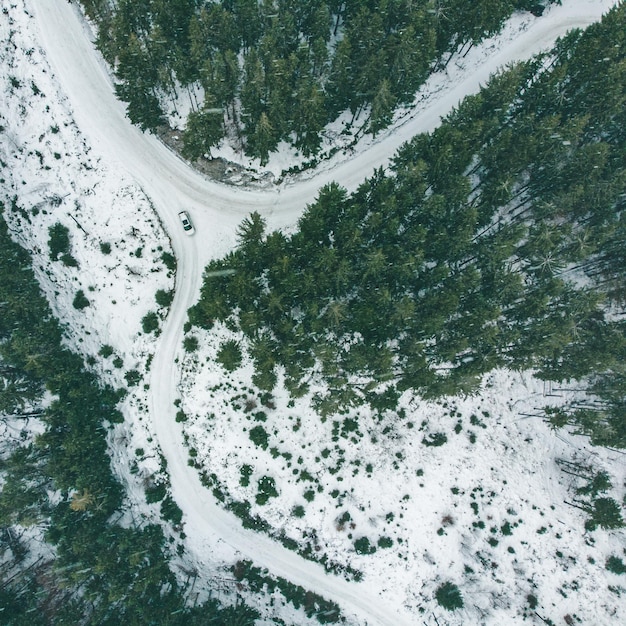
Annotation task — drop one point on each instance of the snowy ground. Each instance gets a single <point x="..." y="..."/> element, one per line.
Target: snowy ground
<point x="487" y="510"/>
<point x="509" y="472"/>
<point x="50" y="175"/>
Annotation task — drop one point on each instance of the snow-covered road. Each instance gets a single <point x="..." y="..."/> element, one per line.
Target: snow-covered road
<point x="216" y="210"/>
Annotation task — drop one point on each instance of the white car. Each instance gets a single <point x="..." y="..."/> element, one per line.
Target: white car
<point x="186" y="222"/>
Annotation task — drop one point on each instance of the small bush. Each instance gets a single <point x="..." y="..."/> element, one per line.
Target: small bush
<point x="181" y="416"/>
<point x="229" y="355"/>
<point x="59" y="240"/>
<point x="171" y="511"/>
<point x="449" y="596"/>
<point x="363" y="546"/>
<point x="298" y="511"/>
<point x="532" y="601"/>
<point x="106" y="351"/>
<point x="68" y="260"/>
<point x="164" y="298"/>
<point x="266" y="489"/>
<point x="259" y="436"/>
<point x="616" y="565"/>
<point x="169" y="261"/>
<point x="156" y="493"/>
<point x="150" y="322"/>
<point x="105" y="247"/>
<point x="133" y="377"/>
<point x="190" y="343"/>
<point x="385" y="542"/>
<point x="435" y="440"/>
<point x="80" y="300"/>
<point x="246" y="472"/>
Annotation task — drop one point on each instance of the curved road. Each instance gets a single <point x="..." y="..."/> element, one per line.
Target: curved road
<point x="216" y="210"/>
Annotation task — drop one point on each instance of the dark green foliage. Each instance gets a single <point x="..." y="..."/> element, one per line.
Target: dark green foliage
<point x="246" y="472"/>
<point x="169" y="260"/>
<point x="363" y="546"/>
<point x="190" y="343"/>
<point x="266" y="489"/>
<point x="105" y="351"/>
<point x="229" y="355"/>
<point x="105" y="247"/>
<point x="461" y="257"/>
<point x="385" y="542"/>
<point x="298" y="511"/>
<point x="449" y="596"/>
<point x="150" y="322"/>
<point x="325" y="611"/>
<point x="170" y="510"/>
<point x="80" y="300"/>
<point x="616" y="565"/>
<point x="597" y="483"/>
<point x="605" y="513"/>
<point x="111" y="574"/>
<point x="532" y="601"/>
<point x="259" y="436"/>
<point x="59" y="240"/>
<point x="69" y="260"/>
<point x="435" y="440"/>
<point x="133" y="377"/>
<point x="277" y="61"/>
<point x="156" y="492"/>
<point x="204" y="130"/>
<point x="164" y="298"/>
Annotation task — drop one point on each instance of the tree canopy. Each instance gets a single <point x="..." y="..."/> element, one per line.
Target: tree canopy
<point x="282" y="69"/>
<point x="497" y="240"/>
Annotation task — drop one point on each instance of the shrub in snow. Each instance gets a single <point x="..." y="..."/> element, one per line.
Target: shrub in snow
<point x="169" y="260"/>
<point x="190" y="344"/>
<point x="164" y="298"/>
<point x="80" y="300"/>
<point x="59" y="240"/>
<point x="363" y="546"/>
<point x="449" y="596"/>
<point x="69" y="260"/>
<point x="171" y="511"/>
<point x="434" y="440"/>
<point x="266" y="489"/>
<point x="106" y="351"/>
<point x="229" y="355"/>
<point x="258" y="435"/>
<point x="246" y="472"/>
<point x="133" y="377"/>
<point x="149" y="322"/>
<point x="616" y="565"/>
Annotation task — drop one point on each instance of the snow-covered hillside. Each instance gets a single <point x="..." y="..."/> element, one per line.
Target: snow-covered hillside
<point x="487" y="510"/>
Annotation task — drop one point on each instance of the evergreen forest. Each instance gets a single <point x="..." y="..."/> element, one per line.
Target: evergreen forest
<point x="91" y="570"/>
<point x="498" y="240"/>
<point x="281" y="70"/>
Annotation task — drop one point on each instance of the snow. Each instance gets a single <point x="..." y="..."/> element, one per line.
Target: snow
<point x="111" y="179"/>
